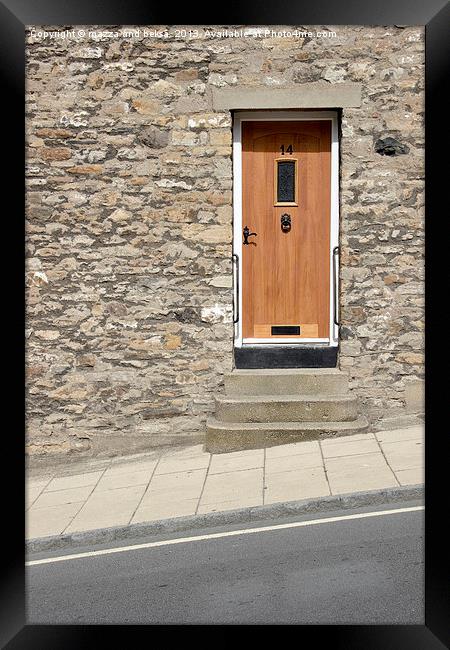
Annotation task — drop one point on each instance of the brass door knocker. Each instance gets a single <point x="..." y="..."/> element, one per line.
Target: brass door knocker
<point x="285" y="222"/>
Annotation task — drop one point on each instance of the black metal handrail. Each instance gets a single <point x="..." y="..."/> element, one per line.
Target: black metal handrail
<point x="235" y="257"/>
<point x="335" y="287"/>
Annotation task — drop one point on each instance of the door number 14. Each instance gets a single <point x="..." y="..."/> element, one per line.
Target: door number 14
<point x="288" y="150"/>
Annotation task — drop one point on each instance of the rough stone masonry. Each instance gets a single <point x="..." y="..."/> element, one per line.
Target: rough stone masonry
<point x="129" y="225"/>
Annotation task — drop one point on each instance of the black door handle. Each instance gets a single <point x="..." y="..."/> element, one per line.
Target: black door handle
<point x="246" y="232"/>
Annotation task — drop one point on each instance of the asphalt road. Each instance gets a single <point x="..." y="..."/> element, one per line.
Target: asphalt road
<point x="359" y="571"/>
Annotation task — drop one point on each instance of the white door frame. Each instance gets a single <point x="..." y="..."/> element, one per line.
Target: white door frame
<point x="239" y="117"/>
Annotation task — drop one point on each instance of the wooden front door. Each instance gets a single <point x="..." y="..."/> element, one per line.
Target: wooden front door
<point x="286" y="185"/>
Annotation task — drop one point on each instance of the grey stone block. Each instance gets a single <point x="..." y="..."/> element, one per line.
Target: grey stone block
<point x="298" y="408"/>
<point x="308" y="95"/>
<point x="222" y="437"/>
<point x="298" y="381"/>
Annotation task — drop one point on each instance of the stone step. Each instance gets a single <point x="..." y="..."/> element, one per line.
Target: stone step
<point x="222" y="437"/>
<point x="286" y="408"/>
<point x="298" y="381"/>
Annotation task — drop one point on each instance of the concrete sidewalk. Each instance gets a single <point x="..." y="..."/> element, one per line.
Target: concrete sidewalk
<point x="187" y="481"/>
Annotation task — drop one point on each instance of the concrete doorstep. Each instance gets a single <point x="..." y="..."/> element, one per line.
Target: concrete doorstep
<point x="153" y="491"/>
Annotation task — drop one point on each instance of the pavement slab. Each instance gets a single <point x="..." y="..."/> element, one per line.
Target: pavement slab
<point x="108" y="508"/>
<point x="178" y="482"/>
<point x="415" y="476"/>
<point x="350" y="447"/>
<point x="233" y="486"/>
<point x="358" y="473"/>
<point x="60" y="497"/>
<point x="53" y="520"/>
<point x="396" y="435"/>
<point x="157" y="507"/>
<point x="296" y="485"/>
<point x="296" y="462"/>
<point x="246" y="501"/>
<point x="110" y="480"/>
<point x="293" y="449"/>
<point x="404" y="454"/>
<point x="191" y="479"/>
<point x="74" y="481"/>
<point x="182" y="463"/>
<point x="33" y="489"/>
<point x="241" y="460"/>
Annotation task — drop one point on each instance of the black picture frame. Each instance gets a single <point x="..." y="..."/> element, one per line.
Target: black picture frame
<point x="434" y="15"/>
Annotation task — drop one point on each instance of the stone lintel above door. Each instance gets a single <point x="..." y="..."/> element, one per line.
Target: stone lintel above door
<point x="309" y="95"/>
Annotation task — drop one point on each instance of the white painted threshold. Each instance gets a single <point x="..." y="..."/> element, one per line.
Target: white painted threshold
<point x="290" y="341"/>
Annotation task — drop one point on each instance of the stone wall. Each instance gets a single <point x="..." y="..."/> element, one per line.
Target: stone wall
<point x="129" y="225"/>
